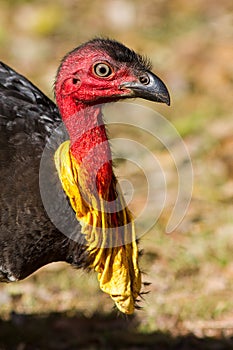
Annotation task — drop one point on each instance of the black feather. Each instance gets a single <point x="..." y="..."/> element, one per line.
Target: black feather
<point x="28" y="238"/>
<point x="117" y="51"/>
<point x="121" y="53"/>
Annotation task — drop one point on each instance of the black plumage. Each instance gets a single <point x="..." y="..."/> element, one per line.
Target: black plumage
<point x="118" y="52"/>
<point x="28" y="238"/>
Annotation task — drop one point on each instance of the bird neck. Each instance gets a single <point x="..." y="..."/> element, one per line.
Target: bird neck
<point x="84" y="167"/>
<point x="89" y="146"/>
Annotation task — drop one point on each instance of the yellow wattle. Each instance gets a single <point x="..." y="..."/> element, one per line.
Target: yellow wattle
<point x="110" y="235"/>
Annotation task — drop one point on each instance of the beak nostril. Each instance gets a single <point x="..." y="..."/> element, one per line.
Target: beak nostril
<point x="144" y="79"/>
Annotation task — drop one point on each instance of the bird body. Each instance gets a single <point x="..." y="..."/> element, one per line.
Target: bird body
<point x="79" y="176"/>
<point x="28" y="238"/>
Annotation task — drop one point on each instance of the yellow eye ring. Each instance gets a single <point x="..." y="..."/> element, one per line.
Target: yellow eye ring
<point x="102" y="69"/>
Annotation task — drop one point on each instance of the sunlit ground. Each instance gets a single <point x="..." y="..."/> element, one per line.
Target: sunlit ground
<point x="191" y="269"/>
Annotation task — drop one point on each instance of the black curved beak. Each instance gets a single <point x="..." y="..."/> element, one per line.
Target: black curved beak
<point x="150" y="87"/>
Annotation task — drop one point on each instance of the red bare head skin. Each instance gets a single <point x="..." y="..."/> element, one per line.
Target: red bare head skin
<point x="97" y="72"/>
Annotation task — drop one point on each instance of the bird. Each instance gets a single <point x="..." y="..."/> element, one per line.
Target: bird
<point x="59" y="197"/>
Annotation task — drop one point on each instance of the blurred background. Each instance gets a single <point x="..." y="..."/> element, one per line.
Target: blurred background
<point x="190" y="270"/>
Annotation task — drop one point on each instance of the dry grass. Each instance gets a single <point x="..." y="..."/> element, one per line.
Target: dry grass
<point x="191" y="270"/>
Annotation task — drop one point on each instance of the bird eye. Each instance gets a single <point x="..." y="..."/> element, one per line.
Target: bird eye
<point x="103" y="70"/>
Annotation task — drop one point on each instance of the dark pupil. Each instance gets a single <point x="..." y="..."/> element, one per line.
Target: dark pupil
<point x="102" y="70"/>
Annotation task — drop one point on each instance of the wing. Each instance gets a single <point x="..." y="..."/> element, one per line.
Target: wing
<point x="28" y="238"/>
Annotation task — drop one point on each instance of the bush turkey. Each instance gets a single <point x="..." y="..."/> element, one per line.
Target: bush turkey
<point x="78" y="175"/>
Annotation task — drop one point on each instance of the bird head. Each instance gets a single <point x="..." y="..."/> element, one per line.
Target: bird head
<point x="97" y="72"/>
<point x="104" y="70"/>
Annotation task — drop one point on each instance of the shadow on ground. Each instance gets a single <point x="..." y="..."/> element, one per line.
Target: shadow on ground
<point x="63" y="331"/>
